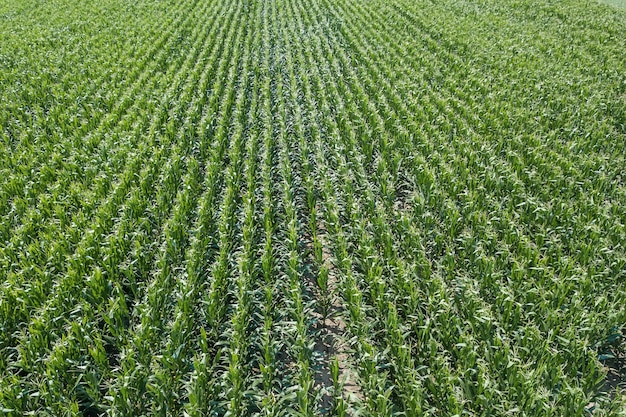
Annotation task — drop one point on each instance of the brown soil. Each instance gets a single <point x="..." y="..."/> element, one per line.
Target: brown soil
<point x="330" y="336"/>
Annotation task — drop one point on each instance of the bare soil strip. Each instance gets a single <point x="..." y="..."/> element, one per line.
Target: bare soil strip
<point x="330" y="334"/>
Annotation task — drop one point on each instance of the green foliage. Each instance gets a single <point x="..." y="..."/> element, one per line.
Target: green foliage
<point x="308" y="207"/>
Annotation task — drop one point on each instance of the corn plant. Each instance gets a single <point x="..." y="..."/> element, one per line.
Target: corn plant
<point x="307" y="207"/>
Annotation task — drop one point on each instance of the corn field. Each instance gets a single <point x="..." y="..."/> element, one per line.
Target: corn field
<point x="312" y="208"/>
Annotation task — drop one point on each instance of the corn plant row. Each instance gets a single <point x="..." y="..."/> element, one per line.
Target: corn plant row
<point x="306" y="207"/>
<point x="89" y="137"/>
<point x="70" y="227"/>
